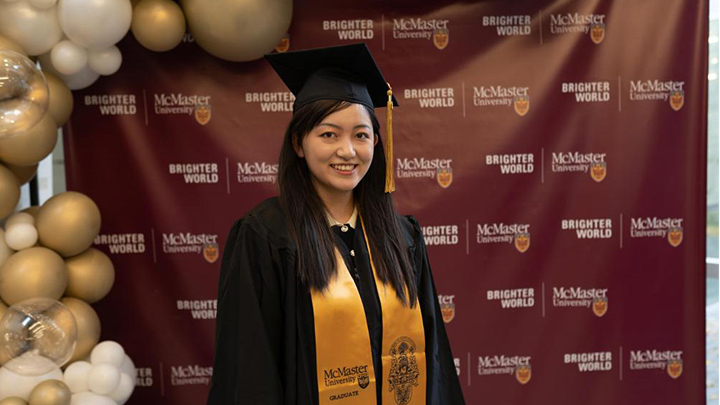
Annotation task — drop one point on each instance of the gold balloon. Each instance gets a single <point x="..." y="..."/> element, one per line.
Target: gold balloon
<point x="238" y="31"/>
<point x="60" y="105"/>
<point x="10" y="45"/>
<point x="158" y="25"/>
<point x="31" y="146"/>
<point x="23" y="173"/>
<point x="50" y="392"/>
<point x="32" y="272"/>
<point x="9" y="191"/>
<point x="13" y="401"/>
<point x="88" y="327"/>
<point x="90" y="276"/>
<point x="68" y="223"/>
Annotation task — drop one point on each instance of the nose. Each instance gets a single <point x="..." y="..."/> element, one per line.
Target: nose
<point x="346" y="149"/>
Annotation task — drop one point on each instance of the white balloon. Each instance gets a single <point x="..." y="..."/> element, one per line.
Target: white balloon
<point x="5" y="250"/>
<point x="95" y="24"/>
<point x="105" y="61"/>
<point x="76" y="376"/>
<point x="35" y="30"/>
<point x="103" y="378"/>
<point x="18" y="385"/>
<point x="20" y="217"/>
<point x="43" y="3"/>
<point x="21" y="236"/>
<point x="123" y="391"/>
<point x="81" y="79"/>
<point x="90" y="398"/>
<point x="68" y="57"/>
<point x="108" y="352"/>
<point x="128" y="367"/>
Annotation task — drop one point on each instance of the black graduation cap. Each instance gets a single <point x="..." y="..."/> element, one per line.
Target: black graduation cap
<point x="347" y="73"/>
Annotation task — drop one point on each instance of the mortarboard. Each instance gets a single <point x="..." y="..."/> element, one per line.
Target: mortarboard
<point x="347" y="73"/>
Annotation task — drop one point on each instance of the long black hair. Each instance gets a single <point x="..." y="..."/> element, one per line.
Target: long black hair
<point x="306" y="211"/>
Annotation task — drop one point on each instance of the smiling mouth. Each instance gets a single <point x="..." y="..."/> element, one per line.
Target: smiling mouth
<point x="344" y="168"/>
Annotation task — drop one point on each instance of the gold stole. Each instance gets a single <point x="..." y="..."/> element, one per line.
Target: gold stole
<point x="345" y="372"/>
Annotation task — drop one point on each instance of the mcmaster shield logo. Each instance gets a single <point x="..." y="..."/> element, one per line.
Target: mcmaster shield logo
<point x="677" y="99"/>
<point x="675" y="236"/>
<point x="597" y="33"/>
<point x="444" y="177"/>
<point x="211" y="252"/>
<point x="441" y="38"/>
<point x="674" y="368"/>
<point x="598" y="171"/>
<point x="284" y="44"/>
<point x="203" y="113"/>
<point x="363" y="381"/>
<point x="522" y="105"/>
<point x="600" y="306"/>
<point x="523" y="374"/>
<point x="448" y="312"/>
<point x="522" y="242"/>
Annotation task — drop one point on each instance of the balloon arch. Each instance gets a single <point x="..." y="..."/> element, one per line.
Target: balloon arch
<point x="50" y="349"/>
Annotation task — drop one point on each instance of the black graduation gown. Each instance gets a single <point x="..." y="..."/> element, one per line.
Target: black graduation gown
<point x="265" y="337"/>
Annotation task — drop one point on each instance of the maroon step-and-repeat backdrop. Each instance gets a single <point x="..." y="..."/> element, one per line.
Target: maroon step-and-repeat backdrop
<point x="554" y="152"/>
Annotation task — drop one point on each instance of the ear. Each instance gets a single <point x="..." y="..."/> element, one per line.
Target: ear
<point x="297" y="145"/>
<point x="375" y="139"/>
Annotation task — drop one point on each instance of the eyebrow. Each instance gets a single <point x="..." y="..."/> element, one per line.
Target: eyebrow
<point x="329" y="124"/>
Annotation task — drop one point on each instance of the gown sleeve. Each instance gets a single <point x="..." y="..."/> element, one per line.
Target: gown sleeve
<point x="246" y="367"/>
<point x="443" y="384"/>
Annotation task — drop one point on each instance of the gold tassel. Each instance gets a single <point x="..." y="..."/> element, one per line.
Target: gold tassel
<point x="389" y="175"/>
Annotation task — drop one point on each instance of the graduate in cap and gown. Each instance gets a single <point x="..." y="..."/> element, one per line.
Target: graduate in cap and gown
<point x="326" y="294"/>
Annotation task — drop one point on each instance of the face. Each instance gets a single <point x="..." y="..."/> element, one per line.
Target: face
<point x="339" y="150"/>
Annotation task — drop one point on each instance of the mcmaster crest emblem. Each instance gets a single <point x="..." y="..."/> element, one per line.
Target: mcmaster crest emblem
<point x="203" y="113"/>
<point x="522" y="241"/>
<point x="522" y="105"/>
<point x="675" y="236"/>
<point x="600" y="306"/>
<point x="597" y="33"/>
<point x="677" y="99"/>
<point x="523" y="374"/>
<point x="363" y="381"/>
<point x="444" y="177"/>
<point x="211" y="252"/>
<point x="404" y="372"/>
<point x="448" y="312"/>
<point x="674" y="368"/>
<point x="441" y="38"/>
<point x="598" y="171"/>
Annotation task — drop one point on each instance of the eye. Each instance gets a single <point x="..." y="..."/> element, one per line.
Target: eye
<point x="363" y="135"/>
<point x="327" y="135"/>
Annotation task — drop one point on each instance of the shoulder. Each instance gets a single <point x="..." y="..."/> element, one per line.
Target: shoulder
<point x="411" y="229"/>
<point x="268" y="221"/>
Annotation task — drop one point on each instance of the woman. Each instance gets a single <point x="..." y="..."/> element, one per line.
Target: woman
<point x="326" y="295"/>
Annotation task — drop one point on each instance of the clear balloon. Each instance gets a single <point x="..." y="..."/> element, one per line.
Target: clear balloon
<point x="36" y="336"/>
<point x="23" y="94"/>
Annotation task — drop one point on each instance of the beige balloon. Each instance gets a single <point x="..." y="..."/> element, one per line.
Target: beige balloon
<point x="88" y="327"/>
<point x="158" y="25"/>
<point x="31" y="146"/>
<point x="90" y="276"/>
<point x="10" y="45"/>
<point x="50" y="392"/>
<point x="13" y="401"/>
<point x="68" y="223"/>
<point x="237" y="30"/>
<point x="23" y="173"/>
<point x="34" y="210"/>
<point x="60" y="104"/>
<point x="9" y="191"/>
<point x="33" y="272"/>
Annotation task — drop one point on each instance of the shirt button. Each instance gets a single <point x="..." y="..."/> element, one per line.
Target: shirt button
<point x="344" y="228"/>
<point x="352" y="253"/>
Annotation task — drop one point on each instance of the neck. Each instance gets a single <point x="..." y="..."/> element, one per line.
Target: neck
<point x="339" y="205"/>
